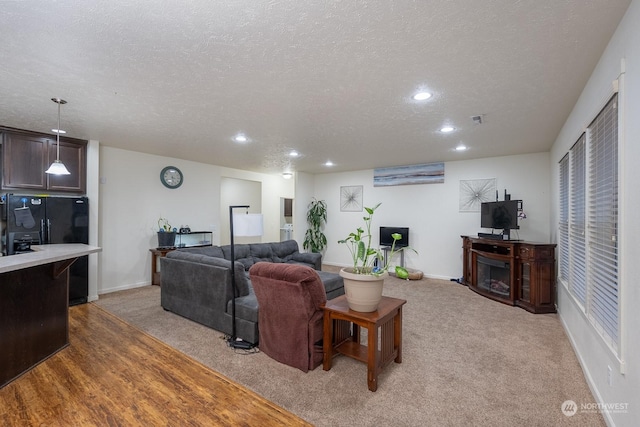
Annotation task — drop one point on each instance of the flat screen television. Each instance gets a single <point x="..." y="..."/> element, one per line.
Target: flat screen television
<point x="387" y="240"/>
<point x="500" y="215"/>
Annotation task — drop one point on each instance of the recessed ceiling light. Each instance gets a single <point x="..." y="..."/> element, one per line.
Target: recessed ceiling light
<point x="240" y="138"/>
<point x="293" y="153"/>
<point x="461" y="147"/>
<point x="328" y="163"/>
<point x="60" y="131"/>
<point x="421" y="96"/>
<point x="447" y="129"/>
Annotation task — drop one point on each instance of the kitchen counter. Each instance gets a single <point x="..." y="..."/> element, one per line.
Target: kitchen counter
<point x="34" y="305"/>
<point x="45" y="254"/>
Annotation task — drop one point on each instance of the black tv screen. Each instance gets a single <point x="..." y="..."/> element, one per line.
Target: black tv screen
<point x="499" y="215"/>
<point x="387" y="240"/>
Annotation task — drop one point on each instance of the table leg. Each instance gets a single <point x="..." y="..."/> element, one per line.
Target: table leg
<point x="154" y="269"/>
<point x="372" y="356"/>
<point x="355" y="337"/>
<point x="327" y="342"/>
<point x="397" y="334"/>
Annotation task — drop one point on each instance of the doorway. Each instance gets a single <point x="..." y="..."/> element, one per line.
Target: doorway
<point x="286" y="219"/>
<point x="235" y="192"/>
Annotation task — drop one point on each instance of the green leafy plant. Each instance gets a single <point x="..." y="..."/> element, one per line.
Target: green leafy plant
<point x="364" y="256"/>
<point x="314" y="239"/>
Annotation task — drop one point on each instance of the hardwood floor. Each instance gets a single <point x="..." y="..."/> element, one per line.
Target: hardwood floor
<point x="114" y="374"/>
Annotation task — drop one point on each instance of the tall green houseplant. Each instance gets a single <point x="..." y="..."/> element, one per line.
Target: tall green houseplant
<point x="363" y="281"/>
<point x="314" y="238"/>
<point x="364" y="256"/>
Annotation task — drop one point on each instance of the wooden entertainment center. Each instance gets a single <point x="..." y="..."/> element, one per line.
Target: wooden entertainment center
<point x="513" y="272"/>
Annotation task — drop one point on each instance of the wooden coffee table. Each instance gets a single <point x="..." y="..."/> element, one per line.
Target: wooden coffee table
<point x="340" y="337"/>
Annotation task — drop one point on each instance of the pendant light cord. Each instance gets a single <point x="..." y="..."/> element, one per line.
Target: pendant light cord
<point x="58" y="133"/>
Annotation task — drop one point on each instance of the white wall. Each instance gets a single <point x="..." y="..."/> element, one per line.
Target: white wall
<point x="594" y="355"/>
<point x="132" y="199"/>
<point x="431" y="211"/>
<point x="93" y="193"/>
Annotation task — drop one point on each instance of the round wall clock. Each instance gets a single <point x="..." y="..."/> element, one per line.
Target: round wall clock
<point x="171" y="177"/>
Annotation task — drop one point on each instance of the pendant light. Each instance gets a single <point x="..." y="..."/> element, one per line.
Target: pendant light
<point x="57" y="167"/>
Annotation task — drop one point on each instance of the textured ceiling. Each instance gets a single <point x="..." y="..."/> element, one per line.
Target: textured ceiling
<point x="331" y="79"/>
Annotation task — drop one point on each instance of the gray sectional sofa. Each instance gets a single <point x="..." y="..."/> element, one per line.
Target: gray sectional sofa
<point x="196" y="283"/>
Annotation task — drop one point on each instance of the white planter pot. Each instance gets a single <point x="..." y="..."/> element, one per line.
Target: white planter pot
<point x="363" y="291"/>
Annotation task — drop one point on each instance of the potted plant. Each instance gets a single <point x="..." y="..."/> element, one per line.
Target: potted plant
<point x="166" y="234"/>
<point x="314" y="239"/>
<point x="363" y="281"/>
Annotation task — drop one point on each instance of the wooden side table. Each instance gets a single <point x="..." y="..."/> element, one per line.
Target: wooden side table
<point x="344" y="340"/>
<point x="155" y="265"/>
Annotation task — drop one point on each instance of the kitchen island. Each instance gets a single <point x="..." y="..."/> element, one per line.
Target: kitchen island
<point x="34" y="305"/>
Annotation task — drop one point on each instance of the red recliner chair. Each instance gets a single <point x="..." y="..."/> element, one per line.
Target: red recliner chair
<point x="290" y="316"/>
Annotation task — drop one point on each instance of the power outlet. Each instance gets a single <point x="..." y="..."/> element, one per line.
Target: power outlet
<point x="609" y="376"/>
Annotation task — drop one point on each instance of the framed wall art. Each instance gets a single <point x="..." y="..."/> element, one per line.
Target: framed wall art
<point x="474" y="192"/>
<point x="429" y="173"/>
<point x="351" y="198"/>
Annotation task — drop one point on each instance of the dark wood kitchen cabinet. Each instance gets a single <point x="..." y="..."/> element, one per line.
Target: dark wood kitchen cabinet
<point x="26" y="155"/>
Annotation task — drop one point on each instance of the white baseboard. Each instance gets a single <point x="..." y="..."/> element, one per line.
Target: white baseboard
<point x="123" y="287"/>
<point x="587" y="375"/>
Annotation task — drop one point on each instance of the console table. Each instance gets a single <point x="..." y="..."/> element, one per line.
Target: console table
<point x="340" y="339"/>
<point x="156" y="254"/>
<point x="192" y="239"/>
<point x="513" y="272"/>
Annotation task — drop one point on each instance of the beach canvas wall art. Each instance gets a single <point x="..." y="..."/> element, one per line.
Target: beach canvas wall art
<point x="429" y="173"/>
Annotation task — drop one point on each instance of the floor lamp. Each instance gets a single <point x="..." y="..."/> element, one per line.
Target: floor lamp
<point x="245" y="225"/>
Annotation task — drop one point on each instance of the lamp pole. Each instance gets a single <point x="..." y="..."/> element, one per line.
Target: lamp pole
<point x="233" y="341"/>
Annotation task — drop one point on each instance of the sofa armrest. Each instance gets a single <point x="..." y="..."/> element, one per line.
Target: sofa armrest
<point x="186" y="259"/>
<point x="182" y="281"/>
<point x="314" y="259"/>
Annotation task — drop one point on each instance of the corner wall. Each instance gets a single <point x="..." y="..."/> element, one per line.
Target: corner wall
<point x="132" y="198"/>
<point x="620" y="59"/>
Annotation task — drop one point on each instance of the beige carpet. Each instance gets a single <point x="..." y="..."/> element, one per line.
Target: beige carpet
<point x="467" y="361"/>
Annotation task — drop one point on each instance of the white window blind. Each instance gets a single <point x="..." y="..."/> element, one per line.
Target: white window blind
<point x="588" y="223"/>
<point x="602" y="300"/>
<point x="563" y="226"/>
<point x="577" y="241"/>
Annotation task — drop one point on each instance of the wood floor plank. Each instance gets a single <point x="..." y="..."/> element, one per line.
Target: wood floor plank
<point x="114" y="374"/>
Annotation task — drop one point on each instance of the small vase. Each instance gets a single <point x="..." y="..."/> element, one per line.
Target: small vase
<point x="363" y="291"/>
<point x="166" y="239"/>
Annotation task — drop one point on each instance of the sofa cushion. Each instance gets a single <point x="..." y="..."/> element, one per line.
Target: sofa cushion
<point x="283" y="251"/>
<point x="261" y="252"/>
<point x="246" y="308"/>
<point x="241" y="252"/>
<point x="333" y="284"/>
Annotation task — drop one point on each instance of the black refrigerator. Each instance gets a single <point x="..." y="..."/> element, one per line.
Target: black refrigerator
<point x="53" y="219"/>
